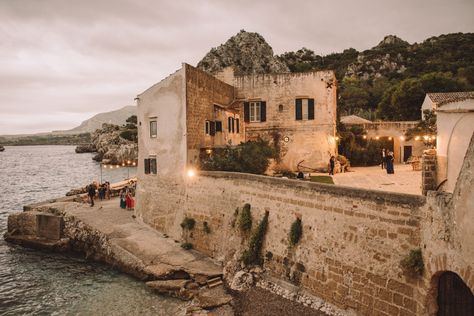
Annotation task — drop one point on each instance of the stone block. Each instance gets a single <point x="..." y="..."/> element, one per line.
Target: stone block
<point x="49" y="226"/>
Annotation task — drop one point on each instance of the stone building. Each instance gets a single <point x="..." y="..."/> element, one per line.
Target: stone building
<point x="190" y="113"/>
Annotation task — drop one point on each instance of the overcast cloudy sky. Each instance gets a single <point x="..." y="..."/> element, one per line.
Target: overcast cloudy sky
<point x="62" y="61"/>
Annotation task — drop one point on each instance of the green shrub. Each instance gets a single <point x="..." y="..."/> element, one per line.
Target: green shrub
<point x="206" y="228"/>
<point x="130" y="135"/>
<point x="413" y="263"/>
<point x="249" y="157"/>
<point x="187" y="245"/>
<point x="245" y="219"/>
<point x="296" y="231"/>
<point x="253" y="255"/>
<point x="188" y="223"/>
<point x="322" y="179"/>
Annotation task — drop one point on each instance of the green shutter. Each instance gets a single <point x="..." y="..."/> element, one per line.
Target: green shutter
<point x="299" y="109"/>
<point x="310" y="109"/>
<point x="246" y="112"/>
<point x="263" y="111"/>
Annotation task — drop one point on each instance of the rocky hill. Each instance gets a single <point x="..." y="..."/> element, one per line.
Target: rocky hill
<point x="116" y="117"/>
<point x="370" y="81"/>
<point x="247" y="52"/>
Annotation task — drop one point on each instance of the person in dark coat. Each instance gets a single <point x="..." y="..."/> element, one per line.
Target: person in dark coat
<point x="389" y="162"/>
<point x="383" y="156"/>
<point x="332" y="162"/>
<point x="91" y="193"/>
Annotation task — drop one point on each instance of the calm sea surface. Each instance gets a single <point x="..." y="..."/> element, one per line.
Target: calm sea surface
<point x="38" y="283"/>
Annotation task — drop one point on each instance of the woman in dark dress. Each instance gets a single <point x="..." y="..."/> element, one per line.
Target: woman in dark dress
<point x="389" y="162"/>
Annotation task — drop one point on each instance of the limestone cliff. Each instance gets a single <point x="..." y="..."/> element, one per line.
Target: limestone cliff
<point x="248" y="52"/>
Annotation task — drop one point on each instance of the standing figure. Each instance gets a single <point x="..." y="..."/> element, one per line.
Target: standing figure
<point x="91" y="193"/>
<point x="389" y="162"/>
<point x="332" y="161"/>
<point x="107" y="190"/>
<point x="129" y="200"/>
<point x="123" y="199"/>
<point x="384" y="158"/>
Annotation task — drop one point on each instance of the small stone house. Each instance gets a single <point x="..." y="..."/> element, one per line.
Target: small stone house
<point x="190" y="113"/>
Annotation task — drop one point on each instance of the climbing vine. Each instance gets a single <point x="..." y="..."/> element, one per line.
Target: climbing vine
<point x="296" y="231"/>
<point x="253" y="255"/>
<point x="413" y="263"/>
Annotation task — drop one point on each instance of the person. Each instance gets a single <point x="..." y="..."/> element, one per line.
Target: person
<point x="384" y="158"/>
<point x="123" y="200"/>
<point x="389" y="162"/>
<point x="107" y="190"/>
<point x="91" y="193"/>
<point x="332" y="162"/>
<point x="129" y="200"/>
<point x="102" y="191"/>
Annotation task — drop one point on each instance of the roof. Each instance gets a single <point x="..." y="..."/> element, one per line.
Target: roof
<point x="449" y="97"/>
<point x="354" y="119"/>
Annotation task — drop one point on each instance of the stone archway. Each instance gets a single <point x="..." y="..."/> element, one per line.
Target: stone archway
<point x="454" y="298"/>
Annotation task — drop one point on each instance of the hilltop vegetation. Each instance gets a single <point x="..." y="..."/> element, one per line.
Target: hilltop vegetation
<point x="387" y="82"/>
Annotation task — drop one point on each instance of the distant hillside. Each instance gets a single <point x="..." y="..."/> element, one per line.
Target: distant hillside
<point x="116" y="117"/>
<point x="387" y="81"/>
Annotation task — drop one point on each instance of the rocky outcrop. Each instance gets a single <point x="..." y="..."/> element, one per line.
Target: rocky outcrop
<point x="110" y="146"/>
<point x="247" y="52"/>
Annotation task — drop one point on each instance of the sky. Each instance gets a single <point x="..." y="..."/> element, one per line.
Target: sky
<point x="62" y="61"/>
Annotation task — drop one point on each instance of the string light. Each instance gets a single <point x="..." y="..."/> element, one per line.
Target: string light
<point x="402" y="138"/>
<point x="390" y="138"/>
<point x="364" y="137"/>
<point x="417" y="138"/>
<point x="377" y="137"/>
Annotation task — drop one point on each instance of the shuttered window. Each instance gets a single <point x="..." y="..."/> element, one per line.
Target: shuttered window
<point x="153" y="129"/>
<point x="212" y="128"/>
<point x="218" y="126"/>
<point x="304" y="109"/>
<point x="255" y="111"/>
<point x="208" y="127"/>
<point x="152" y="165"/>
<point x="237" y="126"/>
<point x="147" y="166"/>
<point x="246" y="112"/>
<point x="229" y="123"/>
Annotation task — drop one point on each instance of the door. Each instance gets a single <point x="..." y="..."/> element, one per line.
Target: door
<point x="454" y="297"/>
<point x="407" y="151"/>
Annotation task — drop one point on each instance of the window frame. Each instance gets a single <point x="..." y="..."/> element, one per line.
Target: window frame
<point x="255" y="111"/>
<point x="153" y="122"/>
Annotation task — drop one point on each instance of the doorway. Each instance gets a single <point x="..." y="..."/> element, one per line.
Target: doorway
<point x="454" y="296"/>
<point x="407" y="152"/>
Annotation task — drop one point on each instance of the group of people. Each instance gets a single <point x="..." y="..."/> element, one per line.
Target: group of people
<point x="126" y="198"/>
<point x="387" y="160"/>
<point x="104" y="192"/>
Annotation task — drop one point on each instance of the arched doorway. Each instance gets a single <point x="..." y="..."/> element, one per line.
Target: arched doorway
<point x="454" y="296"/>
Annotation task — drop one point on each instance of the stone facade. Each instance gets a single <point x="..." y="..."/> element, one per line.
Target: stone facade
<point x="353" y="240"/>
<point x="428" y="168"/>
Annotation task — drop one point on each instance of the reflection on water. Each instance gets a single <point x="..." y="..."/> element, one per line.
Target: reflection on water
<point x="38" y="283"/>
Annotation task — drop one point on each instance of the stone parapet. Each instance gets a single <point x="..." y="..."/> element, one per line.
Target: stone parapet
<point x="428" y="182"/>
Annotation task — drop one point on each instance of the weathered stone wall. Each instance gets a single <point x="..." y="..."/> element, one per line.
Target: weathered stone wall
<point x="353" y="240"/>
<point x="202" y="92"/>
<point x="308" y="140"/>
<point x="428" y="177"/>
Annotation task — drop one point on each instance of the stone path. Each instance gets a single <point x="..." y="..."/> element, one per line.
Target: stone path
<point x="404" y="180"/>
<point x="159" y="254"/>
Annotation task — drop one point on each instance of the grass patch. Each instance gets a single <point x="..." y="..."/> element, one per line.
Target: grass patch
<point x="322" y="179"/>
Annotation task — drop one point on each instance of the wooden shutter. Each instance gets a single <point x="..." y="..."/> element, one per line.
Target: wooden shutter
<point x="218" y="126"/>
<point x="237" y="125"/>
<point x="212" y="129"/>
<point x="246" y="112"/>
<point x="147" y="166"/>
<point x="299" y="109"/>
<point x="263" y="111"/>
<point x="207" y="127"/>
<point x="229" y="128"/>
<point x="233" y="122"/>
<point x="310" y="109"/>
<point x="153" y="165"/>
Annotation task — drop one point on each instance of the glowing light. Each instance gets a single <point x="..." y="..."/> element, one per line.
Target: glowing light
<point x="191" y="173"/>
<point x="208" y="151"/>
<point x="336" y="138"/>
<point x="128" y="162"/>
<point x="117" y="166"/>
<point x="417" y="138"/>
<point x="364" y="137"/>
<point x="426" y="137"/>
<point x="134" y="164"/>
<point x="402" y="138"/>
<point x="377" y="137"/>
<point x="123" y="164"/>
<point x="390" y="138"/>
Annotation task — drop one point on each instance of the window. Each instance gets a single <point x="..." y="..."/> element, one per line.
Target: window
<point x="237" y="126"/>
<point x="304" y="109"/>
<point x="150" y="165"/>
<point x="153" y="128"/>
<point x="231" y="124"/>
<point x="211" y="127"/>
<point x="255" y="111"/>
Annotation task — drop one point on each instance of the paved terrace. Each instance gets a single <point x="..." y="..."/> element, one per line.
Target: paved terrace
<point x="405" y="180"/>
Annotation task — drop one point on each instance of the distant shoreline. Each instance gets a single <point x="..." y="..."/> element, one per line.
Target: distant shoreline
<point x="74" y="140"/>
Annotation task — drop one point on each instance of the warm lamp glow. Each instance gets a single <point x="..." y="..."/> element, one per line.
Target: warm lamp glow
<point x="390" y="138"/>
<point x="191" y="173"/>
<point x="402" y="138"/>
<point x="208" y="151"/>
<point x="377" y="137"/>
<point x="426" y="137"/>
<point x="128" y="162"/>
<point x="364" y="137"/>
<point x="134" y="164"/>
<point x="123" y="164"/>
<point x="336" y="138"/>
<point x="417" y="138"/>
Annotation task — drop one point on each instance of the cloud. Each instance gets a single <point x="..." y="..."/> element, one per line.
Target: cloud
<point x="88" y="56"/>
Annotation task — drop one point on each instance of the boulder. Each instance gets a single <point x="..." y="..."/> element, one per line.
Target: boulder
<point x="242" y="281"/>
